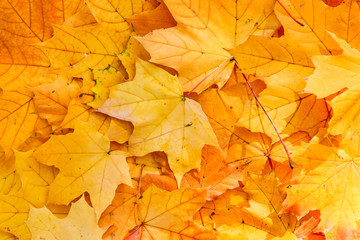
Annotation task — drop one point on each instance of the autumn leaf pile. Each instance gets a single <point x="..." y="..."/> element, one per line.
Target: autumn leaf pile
<point x="137" y="119"/>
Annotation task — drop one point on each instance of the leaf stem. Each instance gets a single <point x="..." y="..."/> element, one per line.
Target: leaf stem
<point x="271" y="121"/>
<point x="192" y="90"/>
<point x="202" y="221"/>
<point x="139" y="186"/>
<point x="301" y="24"/>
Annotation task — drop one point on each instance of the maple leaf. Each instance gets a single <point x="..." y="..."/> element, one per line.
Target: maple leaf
<point x="83" y="18"/>
<point x="345" y="108"/>
<point x="78" y="110"/>
<point x="169" y="221"/>
<point x="266" y="202"/>
<point x="83" y="157"/>
<point x="119" y="131"/>
<point x="164" y="120"/>
<point x="205" y="29"/>
<point x="7" y="236"/>
<point x="329" y="184"/>
<point x="79" y="224"/>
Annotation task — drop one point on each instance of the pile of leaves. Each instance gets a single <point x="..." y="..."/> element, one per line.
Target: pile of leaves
<point x="145" y="119"/>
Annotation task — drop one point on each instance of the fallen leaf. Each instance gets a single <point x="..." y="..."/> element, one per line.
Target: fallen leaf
<point x="163" y="118"/>
<point x="80" y="224"/>
<point x="329" y="184"/>
<point x="169" y="221"/>
<point x="85" y="164"/>
<point x="205" y="30"/>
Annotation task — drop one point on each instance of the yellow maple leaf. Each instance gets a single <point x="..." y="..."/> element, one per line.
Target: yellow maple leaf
<point x="279" y="102"/>
<point x="164" y="120"/>
<point x="346" y="109"/>
<point x="119" y="131"/>
<point x="83" y="18"/>
<point x="345" y="105"/>
<point x="7" y="236"/>
<point x="329" y="183"/>
<point x="196" y="46"/>
<point x="266" y="203"/>
<point x="80" y="224"/>
<point x="85" y="164"/>
<point x="230" y="22"/>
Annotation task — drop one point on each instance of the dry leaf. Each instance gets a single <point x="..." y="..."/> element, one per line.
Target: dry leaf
<point x="79" y="224"/>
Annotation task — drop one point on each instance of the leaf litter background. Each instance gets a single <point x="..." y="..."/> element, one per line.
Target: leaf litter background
<point x="134" y="119"/>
